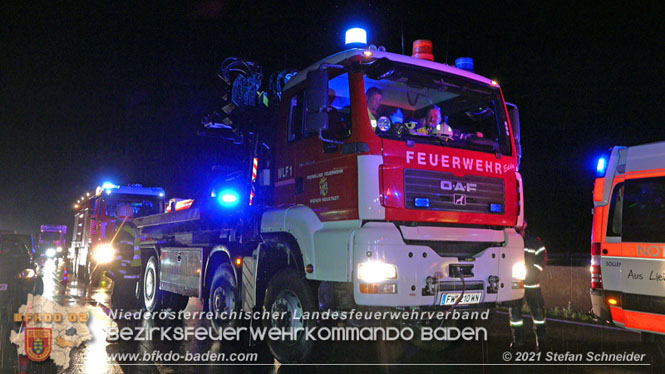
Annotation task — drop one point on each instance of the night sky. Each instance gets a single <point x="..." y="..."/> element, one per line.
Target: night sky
<point x="91" y="93"/>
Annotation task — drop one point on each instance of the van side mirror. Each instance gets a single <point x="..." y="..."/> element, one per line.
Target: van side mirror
<point x="514" y="115"/>
<point x="316" y="101"/>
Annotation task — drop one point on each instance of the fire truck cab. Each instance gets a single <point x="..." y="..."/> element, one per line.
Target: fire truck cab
<point x="627" y="242"/>
<point x="97" y="225"/>
<point x="52" y="240"/>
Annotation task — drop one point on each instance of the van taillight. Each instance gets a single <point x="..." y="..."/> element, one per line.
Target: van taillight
<point x="596" y="276"/>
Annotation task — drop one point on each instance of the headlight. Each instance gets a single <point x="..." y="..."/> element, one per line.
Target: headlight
<point x="375" y="271"/>
<point x="384" y="124"/>
<point x="27" y="274"/>
<point x="103" y="253"/>
<point x="59" y="249"/>
<point x="519" y="271"/>
<point x="50" y="252"/>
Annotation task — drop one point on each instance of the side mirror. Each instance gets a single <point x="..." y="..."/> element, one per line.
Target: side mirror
<point x="380" y="69"/>
<point x="316" y="101"/>
<point x="514" y="115"/>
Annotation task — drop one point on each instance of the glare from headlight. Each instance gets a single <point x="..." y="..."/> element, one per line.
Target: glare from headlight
<point x="375" y="271"/>
<point x="59" y="249"/>
<point x="519" y="271"/>
<point x="103" y="253"/>
<point x="27" y="274"/>
<point x="50" y="252"/>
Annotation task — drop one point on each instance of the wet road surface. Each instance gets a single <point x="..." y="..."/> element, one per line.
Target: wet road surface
<point x="95" y="357"/>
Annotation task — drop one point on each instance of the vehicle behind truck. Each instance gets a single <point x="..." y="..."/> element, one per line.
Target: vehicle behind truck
<point x="103" y="234"/>
<point x="52" y="240"/>
<point x="337" y="207"/>
<point x="628" y="240"/>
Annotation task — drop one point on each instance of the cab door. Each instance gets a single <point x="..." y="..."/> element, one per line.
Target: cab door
<point x="326" y="174"/>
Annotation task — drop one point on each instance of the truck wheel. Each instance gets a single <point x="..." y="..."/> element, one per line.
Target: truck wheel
<point x="289" y="295"/>
<point x="175" y="302"/>
<point x="152" y="295"/>
<point x="123" y="296"/>
<point x="223" y="296"/>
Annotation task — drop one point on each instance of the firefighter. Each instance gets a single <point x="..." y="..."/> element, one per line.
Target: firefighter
<point x="535" y="259"/>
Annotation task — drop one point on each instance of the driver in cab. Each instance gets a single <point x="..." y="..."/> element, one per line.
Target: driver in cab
<point x="431" y="124"/>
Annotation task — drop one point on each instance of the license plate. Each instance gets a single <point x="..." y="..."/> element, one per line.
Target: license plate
<point x="468" y="298"/>
<point x="3" y="286"/>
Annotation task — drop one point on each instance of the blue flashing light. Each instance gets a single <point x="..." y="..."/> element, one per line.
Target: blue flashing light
<point x="228" y="198"/>
<point x="356" y="36"/>
<point x="421" y="202"/>
<point x="465" y="63"/>
<point x="601" y="167"/>
<point x="496" y="208"/>
<point x="108" y="185"/>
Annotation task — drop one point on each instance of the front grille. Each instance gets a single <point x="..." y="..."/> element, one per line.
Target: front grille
<point x="446" y="192"/>
<point x="454" y="249"/>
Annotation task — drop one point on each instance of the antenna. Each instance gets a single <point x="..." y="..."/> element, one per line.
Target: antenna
<point x="401" y="26"/>
<point x="447" y="41"/>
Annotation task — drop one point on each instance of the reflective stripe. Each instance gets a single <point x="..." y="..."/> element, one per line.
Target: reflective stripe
<point x="537" y="285"/>
<point x="538" y="267"/>
<point x="537" y="322"/>
<point x="540" y="250"/>
<point x="518" y="323"/>
<point x="529" y="250"/>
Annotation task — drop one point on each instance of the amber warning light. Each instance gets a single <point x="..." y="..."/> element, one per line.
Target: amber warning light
<point x="423" y="49"/>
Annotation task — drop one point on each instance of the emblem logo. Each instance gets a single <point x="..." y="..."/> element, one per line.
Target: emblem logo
<point x="38" y="343"/>
<point x="323" y="186"/>
<point x="459" y="199"/>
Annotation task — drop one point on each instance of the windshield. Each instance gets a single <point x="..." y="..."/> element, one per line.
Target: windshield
<point x="142" y="205"/>
<point x="50" y="236"/>
<point x="428" y="106"/>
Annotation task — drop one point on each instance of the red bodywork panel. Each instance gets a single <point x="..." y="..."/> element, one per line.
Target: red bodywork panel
<point x="397" y="157"/>
<point x="328" y="182"/>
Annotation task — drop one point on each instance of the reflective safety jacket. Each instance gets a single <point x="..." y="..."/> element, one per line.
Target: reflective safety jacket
<point x="535" y="259"/>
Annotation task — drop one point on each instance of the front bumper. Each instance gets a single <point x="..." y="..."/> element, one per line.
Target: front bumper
<point x="382" y="241"/>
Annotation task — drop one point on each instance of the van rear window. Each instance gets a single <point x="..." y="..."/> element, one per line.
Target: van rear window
<point x="615" y="215"/>
<point x="644" y="210"/>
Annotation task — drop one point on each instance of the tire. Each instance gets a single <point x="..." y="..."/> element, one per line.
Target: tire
<point x="152" y="295"/>
<point x="223" y="295"/>
<point x="123" y="295"/>
<point x="289" y="293"/>
<point x="175" y="302"/>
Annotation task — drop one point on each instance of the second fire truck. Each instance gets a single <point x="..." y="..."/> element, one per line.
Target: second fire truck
<point x="103" y="234"/>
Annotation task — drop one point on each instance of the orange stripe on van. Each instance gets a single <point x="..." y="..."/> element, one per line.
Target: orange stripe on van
<point x="661" y="170"/>
<point x="613" y="249"/>
<point x="617" y="314"/>
<point x="645" y="174"/>
<point x="648" y="250"/>
<point x="644" y="321"/>
<point x="598" y="189"/>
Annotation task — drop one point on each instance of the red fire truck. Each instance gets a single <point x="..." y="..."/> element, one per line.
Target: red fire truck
<point x="627" y="241"/>
<point x="52" y="240"/>
<point x="343" y="206"/>
<point x="97" y="225"/>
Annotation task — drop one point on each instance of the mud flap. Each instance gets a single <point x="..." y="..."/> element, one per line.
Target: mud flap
<point x="248" y="291"/>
